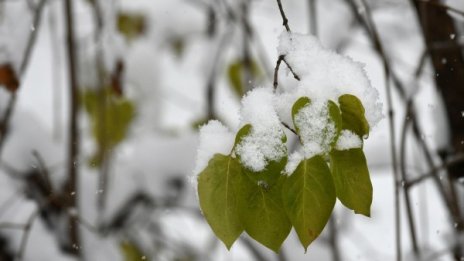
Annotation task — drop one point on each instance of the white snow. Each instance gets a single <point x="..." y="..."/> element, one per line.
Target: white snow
<point x="15" y="28"/>
<point x="348" y="140"/>
<point x="293" y="160"/>
<point x="264" y="144"/>
<point x="214" y="138"/>
<point x="316" y="129"/>
<point x="326" y="75"/>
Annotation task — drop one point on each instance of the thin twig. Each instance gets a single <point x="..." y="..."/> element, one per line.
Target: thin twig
<point x="312" y="8"/>
<point x="333" y="238"/>
<point x="210" y="85"/>
<point x="71" y="187"/>
<point x="291" y="70"/>
<point x="284" y="17"/>
<point x="371" y="29"/>
<point x="409" y="212"/>
<point x="247" y="68"/>
<point x="276" y="71"/>
<point x="25" y="236"/>
<point x="43" y="170"/>
<point x="449" y="163"/>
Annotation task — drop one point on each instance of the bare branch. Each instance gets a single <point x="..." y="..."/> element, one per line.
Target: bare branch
<point x="284" y="17"/>
<point x="449" y="163"/>
<point x="442" y="6"/>
<point x="73" y="146"/>
<point x="26" y="233"/>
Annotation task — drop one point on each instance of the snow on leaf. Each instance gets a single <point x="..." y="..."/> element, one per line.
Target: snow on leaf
<point x="266" y="140"/>
<point x="214" y="138"/>
<point x="348" y="140"/>
<point x="315" y="127"/>
<point x="326" y="75"/>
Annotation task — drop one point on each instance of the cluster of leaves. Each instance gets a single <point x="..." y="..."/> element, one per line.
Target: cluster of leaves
<point x="110" y="115"/>
<point x="266" y="205"/>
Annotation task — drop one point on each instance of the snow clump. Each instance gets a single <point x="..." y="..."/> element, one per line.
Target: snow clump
<point x="264" y="143"/>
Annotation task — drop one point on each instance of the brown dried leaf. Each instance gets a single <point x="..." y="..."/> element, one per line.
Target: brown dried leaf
<point x="8" y="78"/>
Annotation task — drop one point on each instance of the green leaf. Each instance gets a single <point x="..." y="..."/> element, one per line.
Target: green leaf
<point x="178" y="45"/>
<point x="297" y="106"/>
<point x="352" y="181"/>
<point x="235" y="75"/>
<point x="336" y="117"/>
<point x="130" y="25"/>
<point x="262" y="213"/>
<point x="241" y="134"/>
<point x="217" y="186"/>
<point x="353" y="115"/>
<point x="309" y="198"/>
<point x="110" y="116"/>
<point x="270" y="175"/>
<point x="131" y="252"/>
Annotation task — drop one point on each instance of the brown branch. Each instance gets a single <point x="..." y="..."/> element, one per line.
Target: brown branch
<point x="71" y="186"/>
<point x="26" y="233"/>
<point x="43" y="170"/>
<point x="445" y="165"/>
<point x="104" y="152"/>
<point x="276" y="71"/>
<point x="371" y="30"/>
<point x="289" y="128"/>
<point x="284" y="17"/>
<point x="441" y="6"/>
<point x="291" y="70"/>
<point x="409" y="212"/>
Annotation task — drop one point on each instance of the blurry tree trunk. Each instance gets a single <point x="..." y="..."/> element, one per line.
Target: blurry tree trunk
<point x="441" y="41"/>
<point x="440" y="37"/>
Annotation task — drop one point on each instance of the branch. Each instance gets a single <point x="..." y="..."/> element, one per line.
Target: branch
<point x="72" y="182"/>
<point x="284" y="17"/>
<point x="441" y="6"/>
<point x="447" y="164"/>
<point x="276" y="71"/>
<point x="26" y="233"/>
<point x="407" y="198"/>
<point x="371" y="30"/>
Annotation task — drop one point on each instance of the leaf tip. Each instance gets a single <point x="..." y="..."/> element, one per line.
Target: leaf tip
<point x="366" y="212"/>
